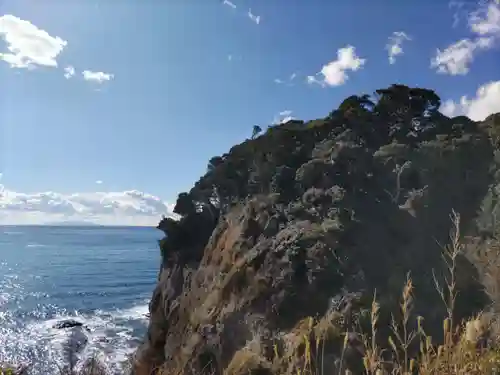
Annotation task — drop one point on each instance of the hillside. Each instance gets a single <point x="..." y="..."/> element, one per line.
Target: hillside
<point x="310" y="219"/>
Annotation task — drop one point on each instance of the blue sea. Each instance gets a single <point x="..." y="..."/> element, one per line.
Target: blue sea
<point x="100" y="276"/>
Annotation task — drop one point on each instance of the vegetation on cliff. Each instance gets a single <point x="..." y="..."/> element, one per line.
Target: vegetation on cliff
<point x="307" y="219"/>
<point x="347" y="149"/>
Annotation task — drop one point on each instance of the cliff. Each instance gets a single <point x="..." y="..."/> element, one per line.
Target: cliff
<point x="310" y="219"/>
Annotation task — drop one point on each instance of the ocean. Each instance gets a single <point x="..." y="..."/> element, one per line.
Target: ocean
<point x="100" y="276"/>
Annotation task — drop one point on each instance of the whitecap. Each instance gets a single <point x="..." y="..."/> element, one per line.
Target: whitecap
<point x="139" y="312"/>
<point x="35" y="245"/>
<point x="113" y="337"/>
<point x="4" y="298"/>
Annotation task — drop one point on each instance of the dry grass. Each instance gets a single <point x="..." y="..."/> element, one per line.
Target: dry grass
<point x="468" y="347"/>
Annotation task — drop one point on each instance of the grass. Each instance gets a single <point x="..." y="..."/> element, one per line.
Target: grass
<point x="469" y="347"/>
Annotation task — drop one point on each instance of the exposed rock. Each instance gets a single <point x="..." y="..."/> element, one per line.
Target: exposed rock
<point x="77" y="338"/>
<point x="307" y="220"/>
<point x="69" y="323"/>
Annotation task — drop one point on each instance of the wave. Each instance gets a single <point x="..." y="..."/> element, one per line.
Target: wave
<point x="12" y="233"/>
<point x="35" y="245"/>
<point x="113" y="337"/>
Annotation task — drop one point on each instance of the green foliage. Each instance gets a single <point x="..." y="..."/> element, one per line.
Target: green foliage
<point x="256" y="130"/>
<point x="186" y="238"/>
<point x="408" y="112"/>
<point x="214" y="162"/>
<point x="346" y="149"/>
<point x="357" y="104"/>
<point x="256" y="166"/>
<point x="184" y="205"/>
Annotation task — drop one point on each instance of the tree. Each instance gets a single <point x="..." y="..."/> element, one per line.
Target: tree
<point x="256" y="130"/>
<point x="357" y="104"/>
<point x="184" y="205"/>
<point x="401" y="100"/>
<point x="407" y="111"/>
<point x="214" y="163"/>
<point x="424" y="101"/>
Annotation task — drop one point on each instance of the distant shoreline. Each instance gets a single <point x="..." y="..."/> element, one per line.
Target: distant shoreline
<point x="75" y="225"/>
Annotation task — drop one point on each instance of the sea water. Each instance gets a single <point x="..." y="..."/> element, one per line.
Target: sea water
<point x="100" y="276"/>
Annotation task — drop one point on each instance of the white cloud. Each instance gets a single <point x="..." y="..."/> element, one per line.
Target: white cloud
<point x="484" y="23"/>
<point x="108" y="208"/>
<point x="458" y="13"/>
<point x="335" y="72"/>
<point x="98" y="182"/>
<point x="233" y="58"/>
<point x="287" y="81"/>
<point x="229" y="3"/>
<point x="395" y="45"/>
<point x="485" y="103"/>
<point x="98" y="77"/>
<point x="456" y="58"/>
<point x="28" y="45"/>
<point x="69" y="72"/>
<point x="313" y="79"/>
<point x="253" y="17"/>
<point x="283" y="117"/>
<point x="486" y="20"/>
<point x="449" y="108"/>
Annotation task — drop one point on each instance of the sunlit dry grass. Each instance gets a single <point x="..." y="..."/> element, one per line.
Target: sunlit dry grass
<point x="467" y="348"/>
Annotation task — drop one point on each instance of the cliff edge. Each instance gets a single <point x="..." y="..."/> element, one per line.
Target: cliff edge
<point x="291" y="232"/>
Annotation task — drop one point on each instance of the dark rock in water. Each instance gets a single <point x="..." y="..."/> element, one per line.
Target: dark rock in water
<point x="77" y="339"/>
<point x="104" y="340"/>
<point x="75" y="344"/>
<point x="70" y="323"/>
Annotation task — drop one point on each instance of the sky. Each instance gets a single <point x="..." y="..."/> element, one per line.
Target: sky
<point x="109" y="109"/>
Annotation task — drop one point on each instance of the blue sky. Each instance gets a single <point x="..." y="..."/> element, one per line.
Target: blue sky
<point x="169" y="84"/>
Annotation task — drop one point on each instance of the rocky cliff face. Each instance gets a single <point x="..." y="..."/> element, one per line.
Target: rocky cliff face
<point x="308" y="220"/>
